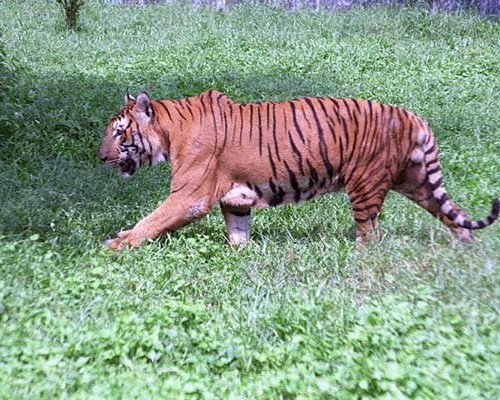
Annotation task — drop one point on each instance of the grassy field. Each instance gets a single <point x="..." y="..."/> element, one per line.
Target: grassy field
<point x="296" y="314"/>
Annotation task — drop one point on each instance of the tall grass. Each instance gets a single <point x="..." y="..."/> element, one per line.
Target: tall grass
<point x="296" y="314"/>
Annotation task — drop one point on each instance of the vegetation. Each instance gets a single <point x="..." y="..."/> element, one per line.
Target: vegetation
<point x="296" y="314"/>
<point x="484" y="7"/>
<point x="70" y="10"/>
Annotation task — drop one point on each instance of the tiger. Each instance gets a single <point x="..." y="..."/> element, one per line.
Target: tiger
<point x="264" y="154"/>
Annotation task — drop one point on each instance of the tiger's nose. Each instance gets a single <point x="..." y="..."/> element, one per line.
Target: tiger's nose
<point x="102" y="155"/>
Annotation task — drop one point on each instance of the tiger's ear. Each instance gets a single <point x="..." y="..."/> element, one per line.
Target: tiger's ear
<point x="128" y="98"/>
<point x="144" y="105"/>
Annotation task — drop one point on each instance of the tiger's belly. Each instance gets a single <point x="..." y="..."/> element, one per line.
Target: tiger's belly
<point x="250" y="195"/>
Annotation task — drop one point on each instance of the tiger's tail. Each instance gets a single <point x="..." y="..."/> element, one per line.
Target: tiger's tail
<point x="434" y="177"/>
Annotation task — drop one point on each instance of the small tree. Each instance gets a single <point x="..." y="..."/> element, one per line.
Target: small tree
<point x="70" y="9"/>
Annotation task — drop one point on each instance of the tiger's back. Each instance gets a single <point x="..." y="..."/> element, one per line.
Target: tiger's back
<point x="252" y="155"/>
<point x="300" y="149"/>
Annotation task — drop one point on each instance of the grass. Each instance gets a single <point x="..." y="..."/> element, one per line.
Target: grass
<point x="296" y="314"/>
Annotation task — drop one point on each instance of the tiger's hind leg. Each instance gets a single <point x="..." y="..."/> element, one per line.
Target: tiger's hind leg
<point x="367" y="197"/>
<point x="237" y="224"/>
<point x="415" y="185"/>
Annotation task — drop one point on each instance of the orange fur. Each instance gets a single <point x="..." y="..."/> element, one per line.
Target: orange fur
<point x="252" y="155"/>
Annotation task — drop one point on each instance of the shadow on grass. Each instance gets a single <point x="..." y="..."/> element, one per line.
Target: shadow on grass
<point x="53" y="185"/>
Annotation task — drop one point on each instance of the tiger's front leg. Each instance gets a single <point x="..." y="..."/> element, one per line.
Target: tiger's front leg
<point x="172" y="214"/>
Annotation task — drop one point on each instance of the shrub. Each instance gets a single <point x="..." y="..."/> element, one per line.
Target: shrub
<point x="70" y="9"/>
<point x="9" y="73"/>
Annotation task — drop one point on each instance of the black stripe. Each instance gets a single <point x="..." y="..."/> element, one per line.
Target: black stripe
<point x="443" y="199"/>
<point x="295" y="122"/>
<point x="437" y="184"/>
<point x="128" y="125"/>
<point x="274" y="132"/>
<point x="241" y="122"/>
<point x="335" y="109"/>
<point x="452" y="215"/>
<point x="323" y="150"/>
<point x="410" y="124"/>
<point x="467" y="224"/>
<point x="204" y="109"/>
<point x="433" y="171"/>
<point x="277" y="198"/>
<point x="311" y="183"/>
<point x="410" y="132"/>
<point x="271" y="161"/>
<point x="212" y="113"/>
<point x="166" y="109"/>
<point x="139" y="134"/>
<point x="327" y="118"/>
<point x="355" y="134"/>
<point x="260" y="129"/>
<point x="297" y="153"/>
<point x="356" y="103"/>
<point x="312" y="171"/>
<point x="188" y="107"/>
<point x="430" y="162"/>
<point x="234" y="122"/>
<point x="257" y="190"/>
<point x="129" y="146"/>
<point x="334" y="101"/>
<point x="382" y="108"/>
<point x="251" y="122"/>
<point x="398" y="135"/>
<point x="268" y="117"/>
<point x="432" y="149"/>
<point x="174" y="190"/>
<point x="341" y="155"/>
<point x="178" y="111"/>
<point x="304" y="114"/>
<point x="293" y="182"/>
<point x="272" y="185"/>
<point x="222" y="112"/>
<point x="345" y="126"/>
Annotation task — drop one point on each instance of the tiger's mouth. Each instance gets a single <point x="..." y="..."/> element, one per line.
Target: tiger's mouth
<point x="127" y="168"/>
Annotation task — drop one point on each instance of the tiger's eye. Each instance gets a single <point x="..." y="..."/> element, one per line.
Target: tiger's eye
<point x="118" y="133"/>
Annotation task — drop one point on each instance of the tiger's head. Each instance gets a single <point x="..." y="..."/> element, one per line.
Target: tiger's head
<point x="131" y="139"/>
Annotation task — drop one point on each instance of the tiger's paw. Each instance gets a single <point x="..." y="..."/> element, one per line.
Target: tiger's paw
<point x="125" y="240"/>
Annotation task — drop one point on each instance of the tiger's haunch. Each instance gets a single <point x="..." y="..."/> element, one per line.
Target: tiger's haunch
<point x="255" y="155"/>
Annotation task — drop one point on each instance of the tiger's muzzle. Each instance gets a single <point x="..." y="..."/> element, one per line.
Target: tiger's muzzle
<point x="127" y="167"/>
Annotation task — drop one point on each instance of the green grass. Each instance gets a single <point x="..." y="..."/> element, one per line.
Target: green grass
<point x="296" y="314"/>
